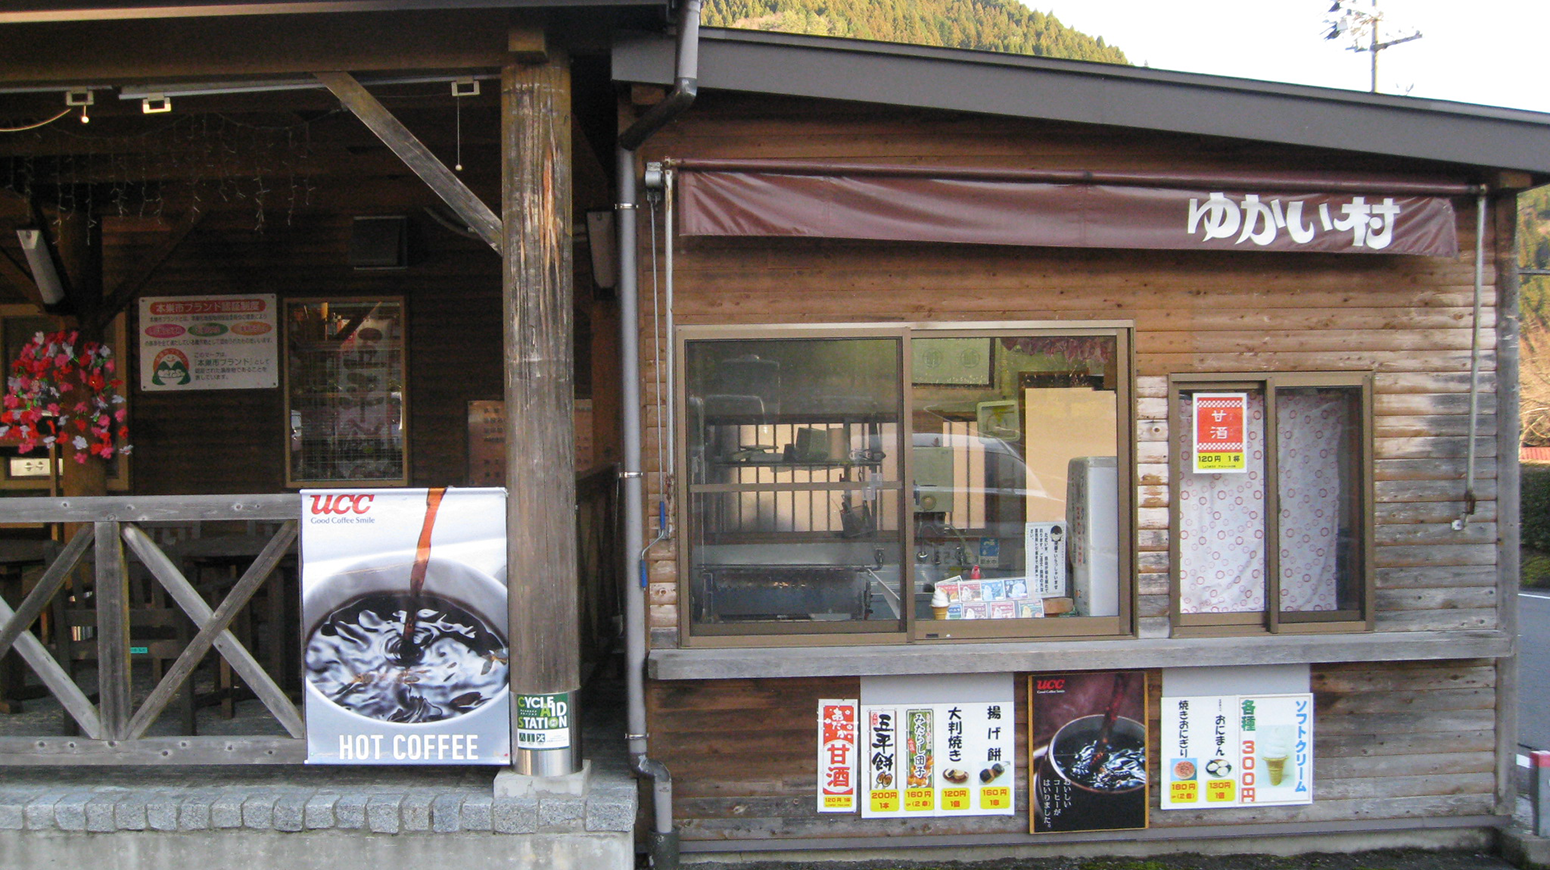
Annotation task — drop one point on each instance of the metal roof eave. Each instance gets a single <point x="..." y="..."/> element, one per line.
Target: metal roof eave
<point x="97" y="10"/>
<point x="1094" y="93"/>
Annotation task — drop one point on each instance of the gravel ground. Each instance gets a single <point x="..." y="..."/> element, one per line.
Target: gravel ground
<point x="1406" y="859"/>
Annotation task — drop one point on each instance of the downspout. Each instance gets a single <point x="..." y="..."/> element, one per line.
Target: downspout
<point x="1470" y="500"/>
<point x="663" y="847"/>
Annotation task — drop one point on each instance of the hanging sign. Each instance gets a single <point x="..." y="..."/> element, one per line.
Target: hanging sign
<point x="950" y="759"/>
<point x="1224" y="751"/>
<point x="404" y="629"/>
<point x="837" y="756"/>
<point x="208" y="343"/>
<point x="910" y="204"/>
<point x="1219" y="433"/>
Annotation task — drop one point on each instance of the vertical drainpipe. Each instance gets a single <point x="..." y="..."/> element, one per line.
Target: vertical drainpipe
<point x="664" y="839"/>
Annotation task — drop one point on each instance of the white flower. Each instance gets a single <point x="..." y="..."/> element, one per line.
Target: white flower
<point x="79" y="442"/>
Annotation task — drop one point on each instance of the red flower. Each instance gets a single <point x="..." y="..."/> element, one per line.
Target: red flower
<point x="51" y="367"/>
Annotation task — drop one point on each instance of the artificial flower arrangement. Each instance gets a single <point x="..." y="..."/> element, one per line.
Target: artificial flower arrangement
<point x="61" y="391"/>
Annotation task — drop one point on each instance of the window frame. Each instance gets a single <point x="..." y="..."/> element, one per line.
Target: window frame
<point x="1271" y="620"/>
<point x="912" y="630"/>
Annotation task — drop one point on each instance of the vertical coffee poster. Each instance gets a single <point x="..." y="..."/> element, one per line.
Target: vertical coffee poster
<point x="1087" y="737"/>
<point x="404" y="626"/>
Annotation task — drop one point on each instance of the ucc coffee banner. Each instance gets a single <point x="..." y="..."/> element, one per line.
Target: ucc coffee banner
<point x="404" y="626"/>
<point x="1002" y="211"/>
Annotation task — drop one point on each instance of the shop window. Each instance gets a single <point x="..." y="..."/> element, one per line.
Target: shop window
<point x="1272" y="503"/>
<point x="927" y="484"/>
<point x="344" y="391"/>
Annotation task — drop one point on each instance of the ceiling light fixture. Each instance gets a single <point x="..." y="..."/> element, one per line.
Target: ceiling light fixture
<point x="41" y="260"/>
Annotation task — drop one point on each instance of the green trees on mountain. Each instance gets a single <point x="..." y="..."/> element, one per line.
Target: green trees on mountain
<point x="988" y="25"/>
<point x="1534" y="296"/>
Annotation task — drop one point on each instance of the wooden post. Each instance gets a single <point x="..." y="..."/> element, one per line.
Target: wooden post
<point x="113" y="669"/>
<point x="540" y="454"/>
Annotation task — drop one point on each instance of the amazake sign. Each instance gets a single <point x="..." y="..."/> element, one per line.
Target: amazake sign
<point x="1219" y="433"/>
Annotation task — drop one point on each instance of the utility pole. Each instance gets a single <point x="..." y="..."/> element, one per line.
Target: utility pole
<point x="1356" y="23"/>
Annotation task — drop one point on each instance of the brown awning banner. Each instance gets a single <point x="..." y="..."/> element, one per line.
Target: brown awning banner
<point x="1001" y="211"/>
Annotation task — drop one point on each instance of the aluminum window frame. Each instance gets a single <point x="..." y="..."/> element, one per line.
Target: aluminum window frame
<point x="914" y="631"/>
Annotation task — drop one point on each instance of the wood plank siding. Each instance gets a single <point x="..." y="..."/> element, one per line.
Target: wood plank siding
<point x="1395" y="740"/>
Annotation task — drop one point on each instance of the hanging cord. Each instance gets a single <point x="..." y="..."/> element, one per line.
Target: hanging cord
<point x="457" y="100"/>
<point x="27" y="127"/>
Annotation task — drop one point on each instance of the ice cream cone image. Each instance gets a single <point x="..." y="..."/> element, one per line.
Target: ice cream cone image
<point x="1274" y="750"/>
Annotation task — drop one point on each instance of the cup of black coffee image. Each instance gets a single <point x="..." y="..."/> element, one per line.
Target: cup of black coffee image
<point x="1093" y="779"/>
<point x="375" y="648"/>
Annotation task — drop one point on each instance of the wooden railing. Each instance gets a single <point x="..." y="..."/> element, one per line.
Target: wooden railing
<point x="113" y="555"/>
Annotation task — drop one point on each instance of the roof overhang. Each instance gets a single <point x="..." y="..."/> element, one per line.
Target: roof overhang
<point x="40" y="11"/>
<point x="1094" y="93"/>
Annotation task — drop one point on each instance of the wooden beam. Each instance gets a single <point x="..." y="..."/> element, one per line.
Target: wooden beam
<point x="540" y="422"/>
<point x="127" y="289"/>
<point x="71" y="54"/>
<point x="416" y="156"/>
<point x="113" y="668"/>
<point x="528" y="45"/>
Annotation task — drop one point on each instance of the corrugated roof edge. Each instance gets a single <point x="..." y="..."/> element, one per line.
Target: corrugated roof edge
<point x="1087" y="92"/>
<point x="97" y="10"/>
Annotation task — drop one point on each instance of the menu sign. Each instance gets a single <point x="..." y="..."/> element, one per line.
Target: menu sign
<point x="837" y="756"/>
<point x="947" y="759"/>
<point x="1219" y="432"/>
<point x="1237" y="750"/>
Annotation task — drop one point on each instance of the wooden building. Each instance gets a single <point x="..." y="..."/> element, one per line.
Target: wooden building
<point x="824" y="196"/>
<point x="905" y="375"/>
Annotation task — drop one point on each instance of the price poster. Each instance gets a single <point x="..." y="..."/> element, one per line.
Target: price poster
<point x="952" y="759"/>
<point x="1224" y="751"/>
<point x="1219" y="434"/>
<point x="837" y="755"/>
<point x="1201" y="757"/>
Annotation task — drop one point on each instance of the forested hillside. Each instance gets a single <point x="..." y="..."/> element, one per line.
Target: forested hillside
<point x="989" y="25"/>
<point x="1534" y="253"/>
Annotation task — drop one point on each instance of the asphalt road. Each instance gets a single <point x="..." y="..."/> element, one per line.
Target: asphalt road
<point x="1534" y="670"/>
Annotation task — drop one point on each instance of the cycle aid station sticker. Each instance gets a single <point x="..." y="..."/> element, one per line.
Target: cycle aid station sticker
<point x="543" y="721"/>
<point x="404" y="626"/>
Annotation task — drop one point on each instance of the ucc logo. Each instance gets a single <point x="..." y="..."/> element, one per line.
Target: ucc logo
<point x="341" y="504"/>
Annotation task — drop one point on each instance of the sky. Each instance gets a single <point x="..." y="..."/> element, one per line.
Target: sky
<point x="1490" y="52"/>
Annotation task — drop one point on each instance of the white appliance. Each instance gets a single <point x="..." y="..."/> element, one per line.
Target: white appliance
<point x="1092" y="509"/>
